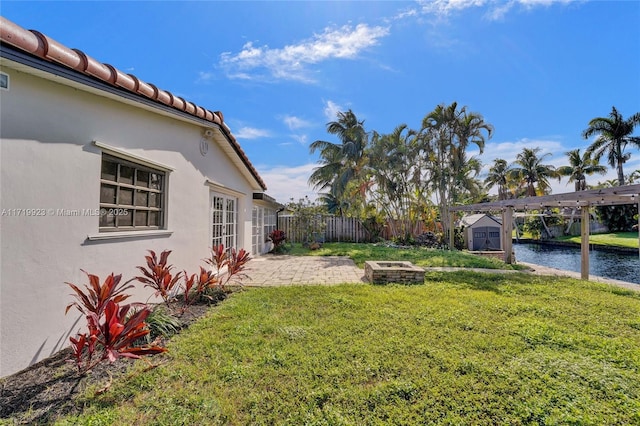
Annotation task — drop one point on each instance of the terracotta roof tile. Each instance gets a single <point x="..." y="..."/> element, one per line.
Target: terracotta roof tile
<point x="44" y="47"/>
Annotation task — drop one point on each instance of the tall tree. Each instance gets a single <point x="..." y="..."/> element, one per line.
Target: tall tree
<point x="579" y="167"/>
<point x="499" y="176"/>
<point x="340" y="163"/>
<point x="614" y="134"/>
<point x="396" y="178"/>
<point x="529" y="170"/>
<point x="446" y="134"/>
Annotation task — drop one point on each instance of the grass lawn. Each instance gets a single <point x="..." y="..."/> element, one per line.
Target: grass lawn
<point x="462" y="349"/>
<point x="618" y="239"/>
<point x="416" y="255"/>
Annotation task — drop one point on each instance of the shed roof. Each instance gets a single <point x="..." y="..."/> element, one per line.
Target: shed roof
<point x="472" y="219"/>
<point x="45" y="48"/>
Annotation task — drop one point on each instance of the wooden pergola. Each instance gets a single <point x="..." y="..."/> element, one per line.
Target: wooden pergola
<point x="620" y="195"/>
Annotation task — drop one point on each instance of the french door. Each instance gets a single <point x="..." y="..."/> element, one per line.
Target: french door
<point x="224" y="221"/>
<point x="257" y="236"/>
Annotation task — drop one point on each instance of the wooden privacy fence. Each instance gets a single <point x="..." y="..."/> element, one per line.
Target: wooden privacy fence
<point x="336" y="229"/>
<point x="341" y="229"/>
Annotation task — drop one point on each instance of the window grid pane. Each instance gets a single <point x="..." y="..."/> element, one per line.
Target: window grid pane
<point x="130" y="196"/>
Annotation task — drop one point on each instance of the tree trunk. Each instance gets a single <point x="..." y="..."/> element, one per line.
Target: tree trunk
<point x="620" y="174"/>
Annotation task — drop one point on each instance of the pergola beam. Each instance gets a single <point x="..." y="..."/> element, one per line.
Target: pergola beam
<point x="619" y="195"/>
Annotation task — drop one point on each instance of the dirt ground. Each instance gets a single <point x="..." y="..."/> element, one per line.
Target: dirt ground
<point x="50" y="388"/>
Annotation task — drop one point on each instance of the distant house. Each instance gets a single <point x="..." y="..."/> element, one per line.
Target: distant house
<point x="97" y="167"/>
<point x="481" y="232"/>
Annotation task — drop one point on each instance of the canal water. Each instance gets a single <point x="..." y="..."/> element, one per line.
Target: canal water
<point x="618" y="266"/>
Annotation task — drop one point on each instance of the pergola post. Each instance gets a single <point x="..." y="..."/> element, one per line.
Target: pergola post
<point x="584" y="243"/>
<point x="452" y="233"/>
<point x="507" y="235"/>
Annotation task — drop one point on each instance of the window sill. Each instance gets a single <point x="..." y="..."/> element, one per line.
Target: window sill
<point x="129" y="234"/>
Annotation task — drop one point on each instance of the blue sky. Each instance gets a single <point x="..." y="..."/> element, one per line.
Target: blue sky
<point x="537" y="70"/>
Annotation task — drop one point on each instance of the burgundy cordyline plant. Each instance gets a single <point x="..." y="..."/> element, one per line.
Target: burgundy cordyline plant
<point x="112" y="331"/>
<point x="235" y="264"/>
<point x="196" y="286"/>
<point x="157" y="275"/>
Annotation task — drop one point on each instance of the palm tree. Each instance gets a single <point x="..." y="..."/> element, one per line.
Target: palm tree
<point x="445" y="136"/>
<point x="614" y="134"/>
<point x="499" y="176"/>
<point x="529" y="170"/>
<point x="396" y="178"/>
<point x="333" y="204"/>
<point x="467" y="188"/>
<point x="580" y="166"/>
<point x="340" y="162"/>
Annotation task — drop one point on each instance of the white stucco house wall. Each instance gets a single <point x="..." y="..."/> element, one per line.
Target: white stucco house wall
<point x="97" y="167"/>
<point x="481" y="232"/>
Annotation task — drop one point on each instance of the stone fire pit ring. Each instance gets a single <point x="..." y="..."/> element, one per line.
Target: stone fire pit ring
<point x="385" y="272"/>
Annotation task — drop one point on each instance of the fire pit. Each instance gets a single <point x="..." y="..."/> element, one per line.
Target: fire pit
<point x="383" y="272"/>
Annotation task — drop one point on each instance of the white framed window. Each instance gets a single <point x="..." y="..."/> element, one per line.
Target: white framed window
<point x="132" y="196"/>
<point x="269" y="221"/>
<point x="4" y="81"/>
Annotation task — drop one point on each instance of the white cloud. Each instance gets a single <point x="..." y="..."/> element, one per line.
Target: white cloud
<point x="495" y="9"/>
<point x="291" y="62"/>
<point x="251" y="133"/>
<point x="294" y="123"/>
<point x="301" y="139"/>
<point x="509" y="150"/>
<point x="331" y="110"/>
<point x="286" y="182"/>
<point x="204" y="76"/>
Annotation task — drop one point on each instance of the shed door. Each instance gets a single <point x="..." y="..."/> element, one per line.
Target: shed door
<point x="486" y="238"/>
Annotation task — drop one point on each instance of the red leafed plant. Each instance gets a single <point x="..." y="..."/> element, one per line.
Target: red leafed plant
<point x="95" y="299"/>
<point x="111" y="333"/>
<point x="277" y="237"/>
<point x="235" y="264"/>
<point x="158" y="275"/>
<point x="112" y="336"/>
<point x="203" y="281"/>
<point x="218" y="257"/>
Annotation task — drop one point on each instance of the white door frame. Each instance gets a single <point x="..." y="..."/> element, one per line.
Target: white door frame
<point x="223" y="220"/>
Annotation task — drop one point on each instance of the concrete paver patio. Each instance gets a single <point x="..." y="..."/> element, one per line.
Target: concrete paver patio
<point x="281" y="270"/>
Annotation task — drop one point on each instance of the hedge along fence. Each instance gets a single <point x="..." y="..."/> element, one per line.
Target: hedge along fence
<point x="342" y="229"/>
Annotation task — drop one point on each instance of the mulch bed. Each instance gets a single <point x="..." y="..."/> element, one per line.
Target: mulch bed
<point x="51" y="388"/>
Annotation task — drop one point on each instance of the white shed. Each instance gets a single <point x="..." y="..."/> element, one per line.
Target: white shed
<point x="481" y="232"/>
